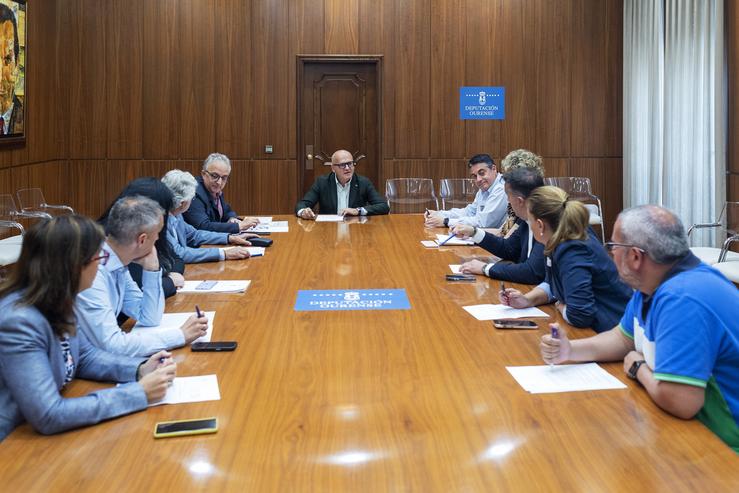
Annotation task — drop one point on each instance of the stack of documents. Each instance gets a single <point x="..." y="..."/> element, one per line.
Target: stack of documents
<point x="176" y="320"/>
<point x="191" y="389"/>
<point x="329" y="218"/>
<point x="218" y="287"/>
<point x="270" y="227"/>
<point x="495" y="312"/>
<point x="453" y="242"/>
<point x="255" y="251"/>
<point x="564" y="378"/>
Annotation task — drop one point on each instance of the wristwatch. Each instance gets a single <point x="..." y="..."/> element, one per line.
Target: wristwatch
<point x="635" y="368"/>
<point x="446" y="222"/>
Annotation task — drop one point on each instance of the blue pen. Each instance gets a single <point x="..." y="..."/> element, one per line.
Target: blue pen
<point x="450" y="237"/>
<point x="256" y="254"/>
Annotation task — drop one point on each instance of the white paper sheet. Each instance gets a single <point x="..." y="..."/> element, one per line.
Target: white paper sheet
<point x="271" y="227"/>
<point x="255" y="251"/>
<point x="175" y="321"/>
<point x="453" y="242"/>
<point x="220" y="287"/>
<point x="329" y="218"/>
<point x="564" y="378"/>
<point x="494" y="312"/>
<point x="429" y="244"/>
<point x="191" y="389"/>
<point x="455" y="268"/>
<point x="264" y="219"/>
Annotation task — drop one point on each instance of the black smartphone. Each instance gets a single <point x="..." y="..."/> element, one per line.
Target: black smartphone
<point x="460" y="278"/>
<point x="213" y="346"/>
<point x="259" y="242"/>
<point x="166" y="429"/>
<point x="514" y="323"/>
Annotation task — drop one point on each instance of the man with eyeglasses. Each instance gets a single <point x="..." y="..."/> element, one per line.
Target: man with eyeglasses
<point x="342" y="192"/>
<point x="209" y="210"/>
<point x="679" y="335"/>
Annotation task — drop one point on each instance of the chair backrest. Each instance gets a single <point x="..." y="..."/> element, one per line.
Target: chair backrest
<point x="410" y="195"/>
<point x="578" y="187"/>
<point x="32" y="201"/>
<point x="456" y="192"/>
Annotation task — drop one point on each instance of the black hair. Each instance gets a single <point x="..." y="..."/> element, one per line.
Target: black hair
<point x="523" y="181"/>
<point x="481" y="158"/>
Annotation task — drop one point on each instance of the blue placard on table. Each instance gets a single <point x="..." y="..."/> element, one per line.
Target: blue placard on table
<point x="482" y="103"/>
<point x="351" y="299"/>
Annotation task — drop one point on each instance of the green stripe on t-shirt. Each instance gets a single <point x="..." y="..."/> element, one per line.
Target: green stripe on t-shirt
<point x="696" y="382"/>
<point x="623" y="331"/>
<point x="717" y="417"/>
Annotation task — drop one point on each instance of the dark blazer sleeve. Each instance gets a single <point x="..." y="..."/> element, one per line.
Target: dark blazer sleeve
<point x="197" y="216"/>
<point x="530" y="271"/>
<point x="505" y="248"/>
<point x="311" y="196"/>
<point x="374" y="203"/>
<point x="575" y="271"/>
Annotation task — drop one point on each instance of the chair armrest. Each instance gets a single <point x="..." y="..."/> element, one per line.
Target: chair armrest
<point x="58" y="207"/>
<point x="13" y="224"/>
<point x="32" y="214"/>
<point x="725" y="247"/>
<point x="703" y="225"/>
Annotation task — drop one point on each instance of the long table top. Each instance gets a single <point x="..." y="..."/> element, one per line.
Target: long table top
<point x="407" y="400"/>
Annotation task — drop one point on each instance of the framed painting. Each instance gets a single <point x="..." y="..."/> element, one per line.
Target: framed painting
<point x="12" y="71"/>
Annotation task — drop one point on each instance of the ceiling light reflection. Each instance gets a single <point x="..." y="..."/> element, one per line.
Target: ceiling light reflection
<point x="201" y="467"/>
<point x="498" y="450"/>
<point x="351" y="458"/>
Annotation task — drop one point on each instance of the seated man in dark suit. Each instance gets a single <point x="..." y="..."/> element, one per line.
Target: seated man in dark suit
<point x="520" y="248"/>
<point x="209" y="210"/>
<point x="342" y="192"/>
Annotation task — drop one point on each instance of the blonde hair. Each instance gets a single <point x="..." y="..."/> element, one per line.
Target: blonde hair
<point x="567" y="217"/>
<point x="521" y="158"/>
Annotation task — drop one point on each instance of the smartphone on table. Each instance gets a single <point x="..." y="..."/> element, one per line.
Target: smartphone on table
<point x="214" y="346"/>
<point x="514" y="323"/>
<point x="460" y="278"/>
<point x="182" y="427"/>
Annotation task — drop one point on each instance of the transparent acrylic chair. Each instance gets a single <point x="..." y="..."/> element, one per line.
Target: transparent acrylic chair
<point x="410" y="195"/>
<point x="10" y="244"/>
<point x="722" y="258"/>
<point x="32" y="201"/>
<point x="578" y="188"/>
<point x="456" y="192"/>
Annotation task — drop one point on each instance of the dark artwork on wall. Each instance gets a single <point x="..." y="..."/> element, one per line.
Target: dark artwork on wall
<point x="12" y="71"/>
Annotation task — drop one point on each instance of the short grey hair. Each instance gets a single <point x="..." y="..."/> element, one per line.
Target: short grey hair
<point x="212" y="158"/>
<point x="655" y="229"/>
<point x="182" y="185"/>
<point x="131" y="216"/>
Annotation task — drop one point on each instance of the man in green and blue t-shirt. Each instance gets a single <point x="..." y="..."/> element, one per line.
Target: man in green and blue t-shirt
<point x="679" y="335"/>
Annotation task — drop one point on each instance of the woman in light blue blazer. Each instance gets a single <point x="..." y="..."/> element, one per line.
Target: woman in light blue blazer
<point x="185" y="239"/>
<point x="41" y="349"/>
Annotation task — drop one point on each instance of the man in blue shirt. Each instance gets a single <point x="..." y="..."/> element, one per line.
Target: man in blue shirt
<point x="679" y="335"/>
<point x="132" y="227"/>
<point x="489" y="208"/>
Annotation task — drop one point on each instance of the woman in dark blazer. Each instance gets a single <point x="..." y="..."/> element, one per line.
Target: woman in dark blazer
<point x="580" y="275"/>
<point x="41" y="349"/>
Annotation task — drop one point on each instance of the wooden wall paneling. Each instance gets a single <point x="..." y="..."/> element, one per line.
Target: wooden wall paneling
<point x="306" y="38"/>
<point x="341" y="29"/>
<point x="547" y="75"/>
<point x="597" y="78"/>
<point x="733" y="186"/>
<point x="271" y="187"/>
<point x="556" y="167"/>
<point x="124" y="78"/>
<point x="61" y="77"/>
<point x="731" y="16"/>
<point x="161" y="80"/>
<point x="377" y="33"/>
<point x="41" y="89"/>
<point x="197" y="73"/>
<point x="232" y="90"/>
<point x="95" y="183"/>
<point x="447" y="76"/>
<point x="412" y="114"/>
<point x="86" y="84"/>
<point x="483" y="60"/>
<point x="606" y="178"/>
<point x="14" y="179"/>
<point x="271" y="115"/>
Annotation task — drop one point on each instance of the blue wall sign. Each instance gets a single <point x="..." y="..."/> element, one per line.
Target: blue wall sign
<point x="351" y="299"/>
<point x="482" y="103"/>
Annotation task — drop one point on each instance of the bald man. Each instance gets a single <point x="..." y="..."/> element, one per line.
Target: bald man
<point x="342" y="192"/>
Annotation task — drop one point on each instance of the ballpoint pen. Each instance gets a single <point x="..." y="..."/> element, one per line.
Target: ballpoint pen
<point x="449" y="238"/>
<point x="555" y="335"/>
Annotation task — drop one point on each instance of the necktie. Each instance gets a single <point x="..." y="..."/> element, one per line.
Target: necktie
<point x="217" y="198"/>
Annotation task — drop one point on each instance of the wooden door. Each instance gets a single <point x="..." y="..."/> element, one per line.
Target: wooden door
<point x="338" y="108"/>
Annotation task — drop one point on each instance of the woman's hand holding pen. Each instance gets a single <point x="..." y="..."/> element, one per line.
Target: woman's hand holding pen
<point x="157" y="374"/>
<point x="513" y="298"/>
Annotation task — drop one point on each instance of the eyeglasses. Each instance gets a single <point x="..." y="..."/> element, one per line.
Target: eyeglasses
<point x="216" y="176"/>
<point x="103" y="258"/>
<point x="610" y="245"/>
<point x="345" y="165"/>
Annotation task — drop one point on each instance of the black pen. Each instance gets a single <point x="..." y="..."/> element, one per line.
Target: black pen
<point x="502" y="289"/>
<point x="197" y="310"/>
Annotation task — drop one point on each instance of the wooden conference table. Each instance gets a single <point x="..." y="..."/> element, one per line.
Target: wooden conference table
<point x="414" y="400"/>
